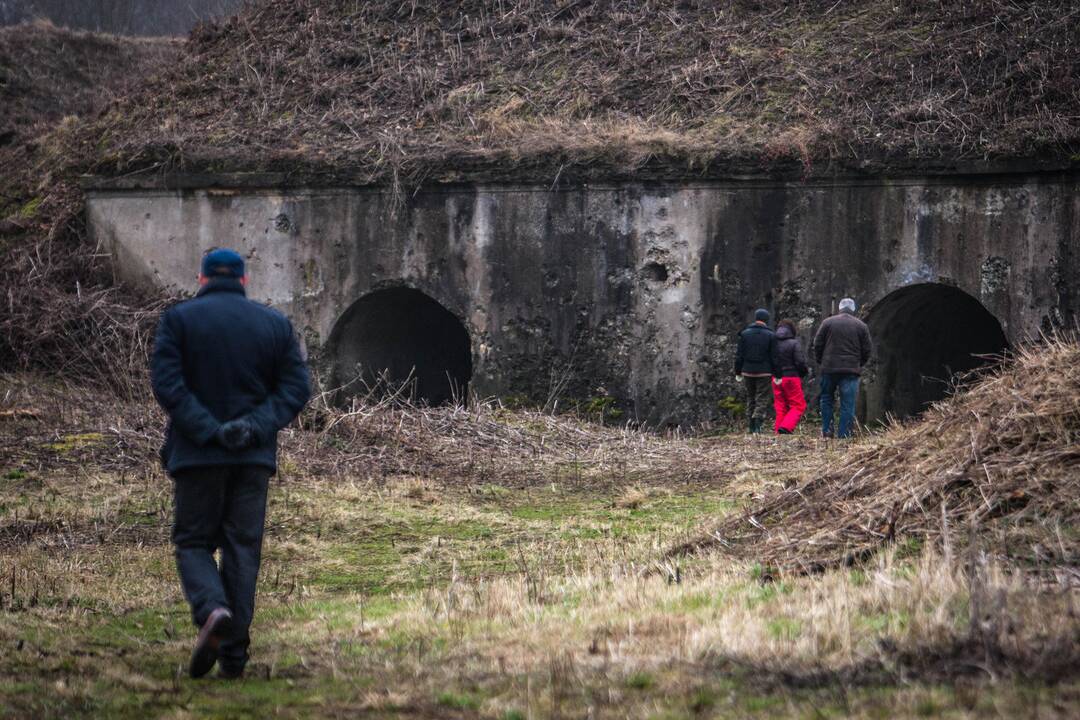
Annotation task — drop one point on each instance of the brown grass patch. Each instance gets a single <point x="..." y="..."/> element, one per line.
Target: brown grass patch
<point x="62" y="312"/>
<point x="1000" y="460"/>
<point x="451" y="586"/>
<point x="632" y="499"/>
<point x="379" y="91"/>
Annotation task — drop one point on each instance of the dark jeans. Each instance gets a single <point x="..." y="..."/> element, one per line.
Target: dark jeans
<point x="221" y="507"/>
<point x="848" y="385"/>
<point x="758" y="396"/>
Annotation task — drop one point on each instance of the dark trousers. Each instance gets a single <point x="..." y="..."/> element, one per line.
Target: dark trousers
<point x="221" y="507"/>
<point x="758" y="397"/>
<point x="848" y="386"/>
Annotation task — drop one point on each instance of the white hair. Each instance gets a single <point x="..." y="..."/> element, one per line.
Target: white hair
<point x="847" y="304"/>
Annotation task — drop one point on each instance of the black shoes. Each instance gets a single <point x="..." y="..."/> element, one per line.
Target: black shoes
<point x="205" y="654"/>
<point x="227" y="673"/>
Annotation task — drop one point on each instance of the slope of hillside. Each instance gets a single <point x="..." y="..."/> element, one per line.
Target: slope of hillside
<point x="59" y="310"/>
<point x="126" y="17"/>
<point x="48" y="74"/>
<point x="524" y="88"/>
<point x="998" y="464"/>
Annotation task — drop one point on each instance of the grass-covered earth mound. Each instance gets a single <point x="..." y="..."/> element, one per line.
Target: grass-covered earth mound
<point x="420" y="92"/>
<point x="49" y="73"/>
<point x="405" y="94"/>
<point x="998" y="463"/>
<point x="62" y="312"/>
<point x="48" y="76"/>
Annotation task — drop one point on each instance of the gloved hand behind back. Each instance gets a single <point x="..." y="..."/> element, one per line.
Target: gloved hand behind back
<point x="236" y="434"/>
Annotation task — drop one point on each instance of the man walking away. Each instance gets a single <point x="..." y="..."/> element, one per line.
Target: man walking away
<point x="230" y="374"/>
<point x="788" y="397"/>
<point x="754" y="366"/>
<point x="842" y="348"/>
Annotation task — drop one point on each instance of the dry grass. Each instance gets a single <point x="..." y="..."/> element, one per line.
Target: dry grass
<point x="385" y="437"/>
<point x="890" y="618"/>
<point x="608" y="640"/>
<point x="49" y="73"/>
<point x="632" y="499"/>
<point x="403" y="576"/>
<point x="1000" y="461"/>
<point x="381" y="91"/>
<point x="62" y="313"/>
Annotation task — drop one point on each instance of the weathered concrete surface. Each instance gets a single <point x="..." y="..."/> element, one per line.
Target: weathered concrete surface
<point x="633" y="291"/>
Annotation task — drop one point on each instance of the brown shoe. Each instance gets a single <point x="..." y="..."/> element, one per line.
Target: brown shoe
<point x="205" y="653"/>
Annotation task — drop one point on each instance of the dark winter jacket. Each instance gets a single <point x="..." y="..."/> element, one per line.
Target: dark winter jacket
<point x="842" y="344"/>
<point x="219" y="357"/>
<point x="756" y="351"/>
<point x="790" y="358"/>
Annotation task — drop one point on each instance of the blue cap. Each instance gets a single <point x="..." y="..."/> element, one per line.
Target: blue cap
<point x="223" y="263"/>
<point x="761" y="315"/>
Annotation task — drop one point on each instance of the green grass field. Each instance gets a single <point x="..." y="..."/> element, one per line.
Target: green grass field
<point x="515" y="572"/>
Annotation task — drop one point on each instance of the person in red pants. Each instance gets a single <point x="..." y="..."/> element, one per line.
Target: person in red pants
<point x="790" y="368"/>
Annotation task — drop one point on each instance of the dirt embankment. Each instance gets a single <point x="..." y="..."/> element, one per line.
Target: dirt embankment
<point x="49" y="75"/>
<point x="60" y="313"/>
<point x="998" y="464"/>
<point x="385" y="91"/>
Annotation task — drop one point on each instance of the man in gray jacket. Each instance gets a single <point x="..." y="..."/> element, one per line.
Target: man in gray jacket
<point x="842" y="348"/>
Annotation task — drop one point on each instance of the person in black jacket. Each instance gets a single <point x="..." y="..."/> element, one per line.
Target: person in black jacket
<point x="788" y="397"/>
<point x="755" y="365"/>
<point x="229" y="373"/>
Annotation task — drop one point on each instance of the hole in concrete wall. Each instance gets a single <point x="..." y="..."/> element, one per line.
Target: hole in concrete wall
<point x="924" y="335"/>
<point x="282" y="223"/>
<point x="654" y="272"/>
<point x="398" y="333"/>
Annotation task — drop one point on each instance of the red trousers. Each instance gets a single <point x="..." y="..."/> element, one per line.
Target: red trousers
<point x="790" y="403"/>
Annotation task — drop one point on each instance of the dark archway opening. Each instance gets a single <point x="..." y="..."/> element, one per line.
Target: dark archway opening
<point x="924" y="336"/>
<point x="397" y="336"/>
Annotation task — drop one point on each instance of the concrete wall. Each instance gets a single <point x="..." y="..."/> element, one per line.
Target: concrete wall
<point x="637" y="291"/>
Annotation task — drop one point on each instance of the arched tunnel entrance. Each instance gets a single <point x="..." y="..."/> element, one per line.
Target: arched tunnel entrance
<point x="401" y="334"/>
<point x="923" y="336"/>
